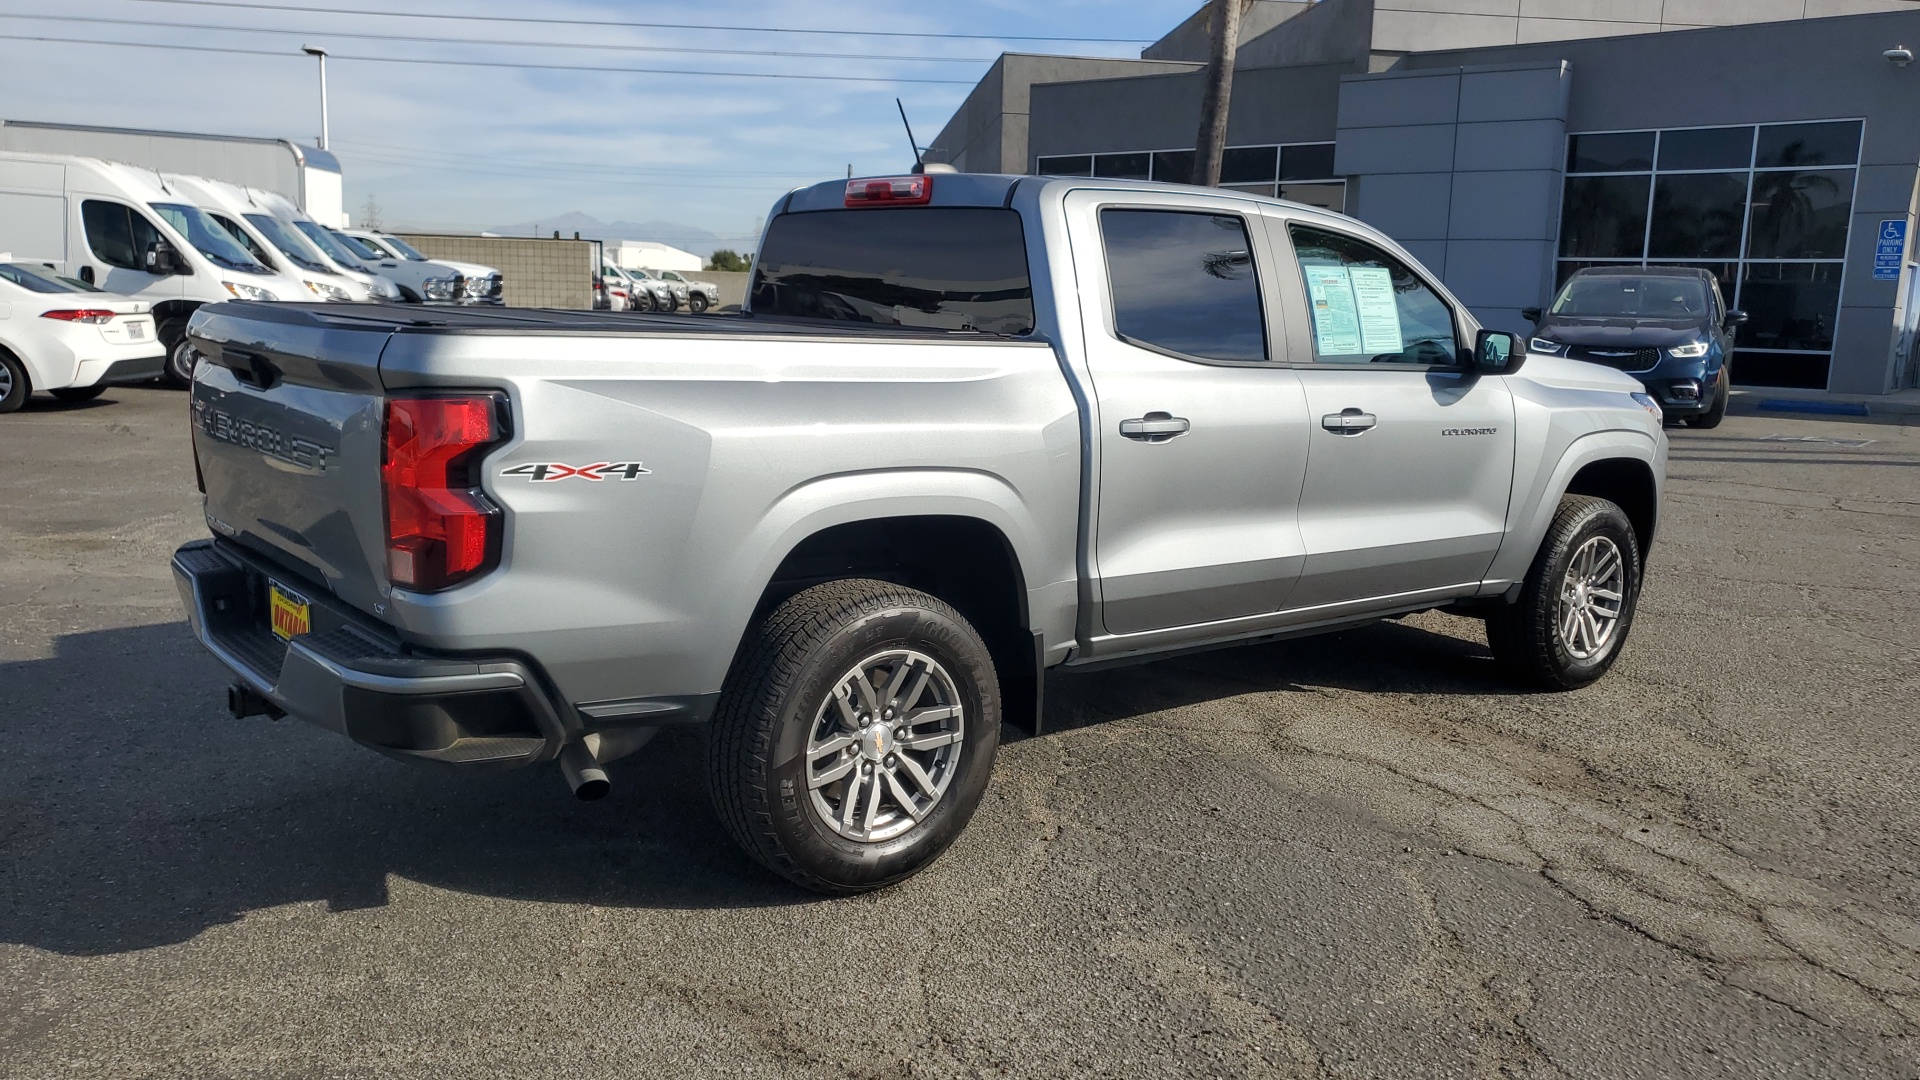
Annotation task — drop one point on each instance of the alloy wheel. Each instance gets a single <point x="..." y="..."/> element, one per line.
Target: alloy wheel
<point x="884" y="747"/>
<point x="1592" y="597"/>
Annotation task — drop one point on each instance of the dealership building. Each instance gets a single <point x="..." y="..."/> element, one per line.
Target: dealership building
<point x="1508" y="143"/>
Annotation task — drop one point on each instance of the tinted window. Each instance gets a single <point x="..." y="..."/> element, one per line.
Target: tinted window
<point x="359" y="247"/>
<point x="329" y="243"/>
<point x="957" y="268"/>
<point x="288" y="241"/>
<point x="1706" y="148"/>
<point x="1792" y="305"/>
<point x="1800" y="145"/>
<point x="1623" y="151"/>
<point x="1249" y="164"/>
<point x="29" y="280"/>
<point x="1173" y="166"/>
<point x="1698" y="216"/>
<point x="1076" y="165"/>
<point x="245" y="240"/>
<point x="1311" y="162"/>
<point x="1122" y="166"/>
<point x="1184" y="283"/>
<point x="1654" y="296"/>
<point x="118" y="235"/>
<point x="1369" y="307"/>
<point x="408" y="250"/>
<point x="1604" y="217"/>
<point x="1800" y="215"/>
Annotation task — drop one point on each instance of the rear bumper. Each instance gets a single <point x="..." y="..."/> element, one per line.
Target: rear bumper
<point x="351" y="676"/>
<point x="136" y="369"/>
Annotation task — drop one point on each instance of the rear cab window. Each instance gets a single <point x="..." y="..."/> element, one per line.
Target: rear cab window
<point x="1183" y="283"/>
<point x="960" y="268"/>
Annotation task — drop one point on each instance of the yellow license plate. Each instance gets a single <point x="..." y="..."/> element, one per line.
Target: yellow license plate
<point x="289" y="612"/>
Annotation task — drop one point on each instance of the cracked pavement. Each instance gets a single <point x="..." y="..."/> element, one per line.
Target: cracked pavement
<point x="1353" y="856"/>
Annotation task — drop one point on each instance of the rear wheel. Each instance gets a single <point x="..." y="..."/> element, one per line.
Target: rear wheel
<point x="697" y="302"/>
<point x="76" y="394"/>
<point x="1577" y="603"/>
<point x="182" y="358"/>
<point x="855" y="735"/>
<point x="1718" y="410"/>
<point x="15" y="386"/>
<point x="670" y="303"/>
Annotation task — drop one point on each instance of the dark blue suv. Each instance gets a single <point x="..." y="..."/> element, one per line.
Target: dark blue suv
<point x="1664" y="325"/>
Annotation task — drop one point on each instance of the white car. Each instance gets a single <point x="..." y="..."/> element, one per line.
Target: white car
<point x="248" y="217"/>
<point x="612" y="290"/>
<point x="68" y="338"/>
<point x="433" y="281"/>
<point x="697" y="295"/>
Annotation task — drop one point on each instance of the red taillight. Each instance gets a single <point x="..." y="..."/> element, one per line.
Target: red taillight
<point x="441" y="530"/>
<point x="891" y="191"/>
<point x="85" y="315"/>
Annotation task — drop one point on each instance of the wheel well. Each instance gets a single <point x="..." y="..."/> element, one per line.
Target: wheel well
<point x="167" y="312"/>
<point x="964" y="561"/>
<point x="1627" y="484"/>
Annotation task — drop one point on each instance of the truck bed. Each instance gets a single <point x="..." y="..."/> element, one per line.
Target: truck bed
<point x="419" y="319"/>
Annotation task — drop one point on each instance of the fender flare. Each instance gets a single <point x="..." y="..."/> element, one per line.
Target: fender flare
<point x="1528" y="524"/>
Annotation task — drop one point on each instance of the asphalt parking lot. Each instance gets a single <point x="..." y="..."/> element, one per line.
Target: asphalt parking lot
<point x="1359" y="855"/>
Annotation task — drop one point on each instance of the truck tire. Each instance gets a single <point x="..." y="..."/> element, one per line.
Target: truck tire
<point x="1577" y="603"/>
<point x="696" y="303"/>
<point x="854" y="736"/>
<point x="1716" y="412"/>
<point x="15" y="386"/>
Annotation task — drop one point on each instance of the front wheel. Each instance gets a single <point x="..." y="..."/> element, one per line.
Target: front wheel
<point x="181" y="355"/>
<point x="1577" y="603"/>
<point x="697" y="303"/>
<point x="1718" y="410"/>
<point x="855" y="735"/>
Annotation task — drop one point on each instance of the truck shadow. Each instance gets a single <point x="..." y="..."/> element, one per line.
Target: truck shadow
<point x="135" y="813"/>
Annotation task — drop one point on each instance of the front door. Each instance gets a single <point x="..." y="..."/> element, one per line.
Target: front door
<point x="1411" y="461"/>
<point x="1201" y="436"/>
<point x="117" y="239"/>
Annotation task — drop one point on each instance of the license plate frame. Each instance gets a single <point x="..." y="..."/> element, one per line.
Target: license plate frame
<point x="289" y="614"/>
<point x="137" y="331"/>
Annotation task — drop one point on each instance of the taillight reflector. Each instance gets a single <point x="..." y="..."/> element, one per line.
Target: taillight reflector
<point x="85" y="315"/>
<point x="890" y="191"/>
<point x="441" y="530"/>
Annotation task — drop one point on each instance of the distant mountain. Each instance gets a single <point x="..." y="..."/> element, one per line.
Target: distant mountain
<point x="685" y="237"/>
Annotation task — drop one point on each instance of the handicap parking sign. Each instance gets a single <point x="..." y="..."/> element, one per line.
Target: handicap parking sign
<point x="1891" y="250"/>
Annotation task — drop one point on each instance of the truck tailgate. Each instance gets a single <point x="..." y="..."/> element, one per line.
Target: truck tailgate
<point x="287" y="431"/>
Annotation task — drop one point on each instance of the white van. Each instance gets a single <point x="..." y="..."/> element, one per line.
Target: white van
<point x="124" y="230"/>
<point x="334" y="253"/>
<point x="276" y="243"/>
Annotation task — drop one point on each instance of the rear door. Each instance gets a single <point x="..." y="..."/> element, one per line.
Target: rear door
<point x="1411" y="465"/>
<point x="1200" y="434"/>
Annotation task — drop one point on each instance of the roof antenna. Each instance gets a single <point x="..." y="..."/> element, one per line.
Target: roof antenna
<point x="919" y="165"/>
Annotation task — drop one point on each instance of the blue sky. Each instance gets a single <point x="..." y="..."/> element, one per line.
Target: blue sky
<point x="470" y="147"/>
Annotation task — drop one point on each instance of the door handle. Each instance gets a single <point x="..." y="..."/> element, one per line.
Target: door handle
<point x="1155" y="427"/>
<point x="1349" y="422"/>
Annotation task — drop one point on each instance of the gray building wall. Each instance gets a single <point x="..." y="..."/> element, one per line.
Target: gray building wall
<point x="1709" y="77"/>
<point x="988" y="133"/>
<point x="1463" y="166"/>
<point x="1191" y="40"/>
<point x="1270" y="105"/>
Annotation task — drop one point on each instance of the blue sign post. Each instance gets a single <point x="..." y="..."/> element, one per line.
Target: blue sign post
<point x="1891" y="251"/>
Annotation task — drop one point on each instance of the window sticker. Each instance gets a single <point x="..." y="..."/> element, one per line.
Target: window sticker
<point x="1336" y="319"/>
<point x="1379" y="310"/>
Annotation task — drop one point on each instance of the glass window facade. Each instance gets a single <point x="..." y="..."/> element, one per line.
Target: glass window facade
<point x="1765" y="208"/>
<point x="1301" y="172"/>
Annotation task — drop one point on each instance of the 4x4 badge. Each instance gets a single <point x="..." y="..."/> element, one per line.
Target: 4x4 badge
<point x="548" y="471"/>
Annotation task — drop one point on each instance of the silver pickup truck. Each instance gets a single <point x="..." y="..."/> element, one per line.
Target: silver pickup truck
<point x="971" y="428"/>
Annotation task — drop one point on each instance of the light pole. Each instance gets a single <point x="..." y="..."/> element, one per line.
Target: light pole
<point x="321" y="55"/>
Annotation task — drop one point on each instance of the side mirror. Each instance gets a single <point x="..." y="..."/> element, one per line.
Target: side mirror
<point x="1735" y="319"/>
<point x="162" y="260"/>
<point x="1496" y="352"/>
<point x="1531" y="314"/>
